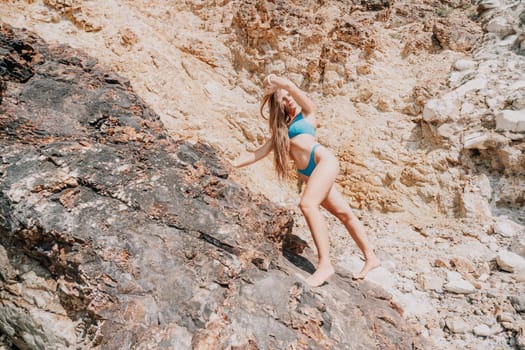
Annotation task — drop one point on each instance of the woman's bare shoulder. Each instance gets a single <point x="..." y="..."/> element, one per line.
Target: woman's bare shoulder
<point x="310" y="117"/>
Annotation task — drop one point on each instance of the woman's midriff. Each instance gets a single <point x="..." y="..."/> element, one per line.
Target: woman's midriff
<point x="300" y="148"/>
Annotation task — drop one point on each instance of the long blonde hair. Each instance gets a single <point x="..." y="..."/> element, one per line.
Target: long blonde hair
<point x="278" y="121"/>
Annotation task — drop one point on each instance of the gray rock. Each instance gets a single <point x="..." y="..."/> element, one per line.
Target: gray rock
<point x="518" y="302"/>
<point x="510" y="262"/>
<point x="482" y="330"/>
<point x="441" y="110"/>
<point x="7" y="271"/>
<point x="457" y="325"/>
<point x="476" y="84"/>
<point x="500" y="26"/>
<point x="459" y="287"/>
<point x="507" y="228"/>
<point x="462" y="65"/>
<point x="430" y="282"/>
<point x="511" y="120"/>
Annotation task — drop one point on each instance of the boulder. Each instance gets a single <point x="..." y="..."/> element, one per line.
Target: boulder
<point x="511" y="120"/>
<point x="510" y="262"/>
<point x="507" y="228"/>
<point x="459" y="287"/>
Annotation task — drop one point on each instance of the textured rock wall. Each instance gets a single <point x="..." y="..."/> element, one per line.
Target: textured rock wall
<point x="442" y="192"/>
<point x="369" y="65"/>
<point x="115" y="236"/>
<point x="482" y="118"/>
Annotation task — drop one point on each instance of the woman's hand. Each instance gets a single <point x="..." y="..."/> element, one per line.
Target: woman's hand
<point x="268" y="80"/>
<point x="235" y="163"/>
<point x="243" y="160"/>
<point x="273" y="82"/>
<point x="252" y="157"/>
<point x="269" y="84"/>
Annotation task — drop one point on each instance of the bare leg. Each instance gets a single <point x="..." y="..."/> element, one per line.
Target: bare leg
<point x="337" y="205"/>
<point x="317" y="188"/>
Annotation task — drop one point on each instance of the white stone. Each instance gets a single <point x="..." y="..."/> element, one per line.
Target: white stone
<point x="474" y="205"/>
<point x="511" y="120"/>
<point x="482" y="330"/>
<point x="499" y="26"/>
<point x="506" y="227"/>
<point x="450" y="131"/>
<point x="430" y="282"/>
<point x="459" y="287"/>
<point x="510" y="262"/>
<point x="441" y="110"/>
<point x="506" y="317"/>
<point x="457" y="325"/>
<point x="508" y="40"/>
<point x="462" y="65"/>
<point x="476" y="140"/>
<point x="415" y="303"/>
<point x="471" y="85"/>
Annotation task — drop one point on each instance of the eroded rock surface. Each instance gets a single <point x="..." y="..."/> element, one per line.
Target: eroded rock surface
<point x="115" y="236"/>
<point x="439" y="197"/>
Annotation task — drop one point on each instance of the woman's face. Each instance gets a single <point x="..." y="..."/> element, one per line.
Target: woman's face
<point x="287" y="102"/>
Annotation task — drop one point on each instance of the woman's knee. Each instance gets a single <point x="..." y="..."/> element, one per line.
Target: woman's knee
<point x="346" y="216"/>
<point x="307" y="206"/>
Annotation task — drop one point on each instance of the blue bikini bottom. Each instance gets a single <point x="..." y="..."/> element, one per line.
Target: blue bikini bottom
<point x="311" y="163"/>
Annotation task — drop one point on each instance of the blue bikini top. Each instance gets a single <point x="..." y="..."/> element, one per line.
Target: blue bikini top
<point x="300" y="126"/>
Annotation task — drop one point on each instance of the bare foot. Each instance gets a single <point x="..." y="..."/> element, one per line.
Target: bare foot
<point x="370" y="264"/>
<point x="320" y="275"/>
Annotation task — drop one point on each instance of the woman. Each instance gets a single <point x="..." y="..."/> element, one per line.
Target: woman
<point x="292" y="120"/>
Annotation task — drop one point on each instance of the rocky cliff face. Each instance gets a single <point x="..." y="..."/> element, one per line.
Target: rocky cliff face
<point x="421" y="101"/>
<point x="115" y="236"/>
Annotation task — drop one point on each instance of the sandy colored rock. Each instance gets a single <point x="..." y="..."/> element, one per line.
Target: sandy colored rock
<point x="510" y="262"/>
<point x="508" y="228"/>
<point x="511" y="120"/>
<point x="457" y="325"/>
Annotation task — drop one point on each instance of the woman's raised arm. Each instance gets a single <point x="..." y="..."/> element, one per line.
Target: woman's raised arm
<point x="254" y="156"/>
<point x="273" y="82"/>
